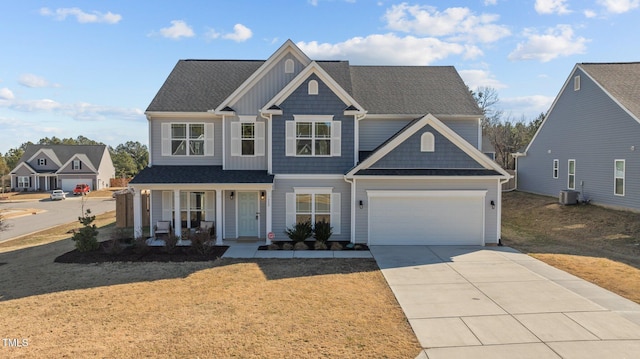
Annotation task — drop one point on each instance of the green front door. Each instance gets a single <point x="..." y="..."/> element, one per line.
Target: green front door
<point x="248" y="214"/>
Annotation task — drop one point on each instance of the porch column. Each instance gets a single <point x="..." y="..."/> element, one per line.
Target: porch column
<point x="137" y="213"/>
<point x="176" y="210"/>
<point x="268" y="219"/>
<point x="219" y="195"/>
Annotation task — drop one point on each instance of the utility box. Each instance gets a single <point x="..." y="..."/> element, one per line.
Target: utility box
<point x="568" y="197"/>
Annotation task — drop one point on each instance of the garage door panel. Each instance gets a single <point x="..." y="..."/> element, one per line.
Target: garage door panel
<point x="68" y="184"/>
<point x="424" y="219"/>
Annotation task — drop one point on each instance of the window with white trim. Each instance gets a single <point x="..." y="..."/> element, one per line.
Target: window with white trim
<point x="42" y="161"/>
<point x="427" y="142"/>
<point x="313" y="87"/>
<point x="23" y="181"/>
<point x="576" y="83"/>
<point x="571" y="174"/>
<point x="187" y="139"/>
<point x="313" y="205"/>
<point x="247" y="137"/>
<point x="288" y="66"/>
<point x="556" y="166"/>
<point x="313" y="135"/>
<point x="76" y="165"/>
<point x="618" y="177"/>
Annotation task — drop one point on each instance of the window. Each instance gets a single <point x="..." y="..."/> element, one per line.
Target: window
<point x="618" y="175"/>
<point x="576" y="83"/>
<point x="288" y="66"/>
<point x="248" y="136"/>
<point x="187" y="139"/>
<point x="313" y="205"/>
<point x="23" y="182"/>
<point x="313" y="87"/>
<point x="556" y="165"/>
<point x="42" y="161"/>
<point x="427" y="142"/>
<point x="192" y="208"/>
<point x="313" y="138"/>
<point x="571" y="177"/>
<point x="76" y="165"/>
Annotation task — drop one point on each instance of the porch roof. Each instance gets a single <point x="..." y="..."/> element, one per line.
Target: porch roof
<point x="199" y="174"/>
<point x="427" y="172"/>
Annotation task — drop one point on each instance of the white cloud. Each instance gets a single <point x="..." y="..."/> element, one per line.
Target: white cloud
<point x="552" y="7"/>
<point x="529" y="106"/>
<point x="480" y="78"/>
<point x="6" y="94"/>
<point x="212" y="34"/>
<point x="81" y="16"/>
<point x="177" y="30"/>
<point x="386" y="49"/>
<point x="590" y="14"/>
<point x="240" y="33"/>
<point x="34" y="81"/>
<point x="555" y="42"/>
<point x="490" y="2"/>
<point x="619" y="6"/>
<point x="458" y="23"/>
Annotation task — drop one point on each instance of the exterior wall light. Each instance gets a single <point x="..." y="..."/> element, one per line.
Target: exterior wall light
<point x="231" y="195"/>
<point x="262" y="195"/>
<point x="493" y="204"/>
<point x="361" y="204"/>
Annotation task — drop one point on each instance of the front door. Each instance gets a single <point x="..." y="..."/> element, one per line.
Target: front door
<point x="248" y="214"/>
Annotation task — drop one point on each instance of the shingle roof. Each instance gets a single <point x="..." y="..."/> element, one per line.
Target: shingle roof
<point x="201" y="85"/>
<point x="65" y="152"/>
<point x="621" y="80"/>
<point x="427" y="172"/>
<point x="199" y="174"/>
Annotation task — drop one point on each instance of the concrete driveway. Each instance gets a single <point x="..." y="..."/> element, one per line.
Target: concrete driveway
<point x="494" y="302"/>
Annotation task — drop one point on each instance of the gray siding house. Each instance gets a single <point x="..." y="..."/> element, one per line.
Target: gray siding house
<point x="49" y="167"/>
<point x="590" y="138"/>
<point x="385" y="154"/>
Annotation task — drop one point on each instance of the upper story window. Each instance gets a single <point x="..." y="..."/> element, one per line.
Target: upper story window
<point x="556" y="165"/>
<point x="571" y="177"/>
<point x="187" y="139"/>
<point x="313" y="87"/>
<point x="288" y="66"/>
<point x="76" y="165"/>
<point x="427" y="142"/>
<point x="247" y="137"/>
<point x="42" y="161"/>
<point x="313" y="136"/>
<point x="618" y="175"/>
<point x="576" y="83"/>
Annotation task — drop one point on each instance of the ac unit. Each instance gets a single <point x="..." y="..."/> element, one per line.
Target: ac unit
<point x="568" y="197"/>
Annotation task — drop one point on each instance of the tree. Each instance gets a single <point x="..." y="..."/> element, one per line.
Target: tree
<point x="138" y="154"/>
<point x="488" y="99"/>
<point x="12" y="156"/>
<point x="4" y="169"/>
<point x="124" y="164"/>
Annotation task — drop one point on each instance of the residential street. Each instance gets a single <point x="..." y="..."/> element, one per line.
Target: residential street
<point x="53" y="213"/>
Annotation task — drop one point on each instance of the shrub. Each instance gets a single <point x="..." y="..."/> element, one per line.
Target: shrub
<point x="171" y="242"/>
<point x="300" y="246"/>
<point x="300" y="231"/>
<point x="318" y="245"/>
<point x="86" y="238"/>
<point x="113" y="246"/>
<point x="287" y="246"/>
<point x="202" y="243"/>
<point x="322" y="231"/>
<point x="274" y="246"/>
<point x="336" y="246"/>
<point x="140" y="245"/>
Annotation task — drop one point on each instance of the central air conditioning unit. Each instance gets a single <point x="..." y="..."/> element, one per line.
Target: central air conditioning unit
<point x="568" y="197"/>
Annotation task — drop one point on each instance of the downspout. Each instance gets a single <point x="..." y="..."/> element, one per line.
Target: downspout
<point x="268" y="118"/>
<point x="352" y="182"/>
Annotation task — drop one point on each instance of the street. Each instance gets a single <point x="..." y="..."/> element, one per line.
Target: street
<point x="55" y="213"/>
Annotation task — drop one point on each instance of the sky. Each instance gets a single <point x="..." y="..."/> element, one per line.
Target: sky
<point x="91" y="68"/>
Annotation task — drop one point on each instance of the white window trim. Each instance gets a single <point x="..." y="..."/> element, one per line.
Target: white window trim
<point x="23" y="182"/>
<point x="556" y="168"/>
<point x="569" y="174"/>
<point x="427" y="142"/>
<point x="335" y="138"/>
<point x="258" y="137"/>
<point x="334" y="211"/>
<point x="312" y="87"/>
<point x="76" y="165"/>
<point x="576" y="83"/>
<point x="615" y="177"/>
<point x="42" y="161"/>
<point x="208" y="139"/>
<point x="289" y="66"/>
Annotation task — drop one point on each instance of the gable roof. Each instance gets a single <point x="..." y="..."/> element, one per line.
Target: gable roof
<point x="620" y="80"/>
<point x="205" y="85"/>
<point x="93" y="153"/>
<point x="49" y="153"/>
<point x="413" y="127"/>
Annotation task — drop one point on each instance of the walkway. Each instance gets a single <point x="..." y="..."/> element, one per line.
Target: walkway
<point x="483" y="302"/>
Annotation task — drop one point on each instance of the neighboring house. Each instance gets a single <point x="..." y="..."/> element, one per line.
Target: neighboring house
<point x="590" y="139"/>
<point x="385" y="154"/>
<point x="49" y="167"/>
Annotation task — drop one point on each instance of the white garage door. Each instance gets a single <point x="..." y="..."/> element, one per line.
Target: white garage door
<point x="68" y="184"/>
<point x="426" y="217"/>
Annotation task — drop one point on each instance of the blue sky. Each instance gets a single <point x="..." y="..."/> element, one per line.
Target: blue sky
<point x="70" y="68"/>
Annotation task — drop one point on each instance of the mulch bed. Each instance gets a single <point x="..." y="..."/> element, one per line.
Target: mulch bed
<point x="346" y="246"/>
<point x="146" y="254"/>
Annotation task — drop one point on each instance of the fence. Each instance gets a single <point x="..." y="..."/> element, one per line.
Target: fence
<point x="124" y="210"/>
<point x="511" y="185"/>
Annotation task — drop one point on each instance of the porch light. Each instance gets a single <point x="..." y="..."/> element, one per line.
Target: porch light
<point x="262" y="195"/>
<point x="493" y="204"/>
<point x="361" y="204"/>
<point x="231" y="195"/>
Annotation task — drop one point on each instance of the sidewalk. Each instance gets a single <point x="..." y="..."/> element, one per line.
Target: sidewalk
<point x="480" y="302"/>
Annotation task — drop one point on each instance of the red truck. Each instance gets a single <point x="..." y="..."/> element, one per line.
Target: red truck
<point x="81" y="189"/>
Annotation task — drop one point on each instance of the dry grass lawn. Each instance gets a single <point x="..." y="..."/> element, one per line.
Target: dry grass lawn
<point x="597" y="244"/>
<point x="312" y="308"/>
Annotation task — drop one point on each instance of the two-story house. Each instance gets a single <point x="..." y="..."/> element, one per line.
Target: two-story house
<point x="48" y="167"/>
<point x="385" y="154"/>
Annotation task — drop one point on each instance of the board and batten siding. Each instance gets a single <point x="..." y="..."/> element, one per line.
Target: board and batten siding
<point x="409" y="155"/>
<point x="257" y="162"/>
<point x="284" y="185"/>
<point x="589" y="127"/>
<point x="490" y="185"/>
<point x="230" y="214"/>
<point x="374" y="132"/>
<point x="156" y="157"/>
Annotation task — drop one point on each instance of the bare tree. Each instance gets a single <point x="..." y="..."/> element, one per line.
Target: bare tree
<point x="488" y="99"/>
